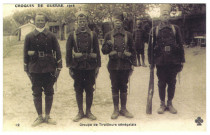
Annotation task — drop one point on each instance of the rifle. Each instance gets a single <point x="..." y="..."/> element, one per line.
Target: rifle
<point x="151" y="80"/>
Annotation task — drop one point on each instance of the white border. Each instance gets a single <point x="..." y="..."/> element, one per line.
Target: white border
<point x="107" y="1"/>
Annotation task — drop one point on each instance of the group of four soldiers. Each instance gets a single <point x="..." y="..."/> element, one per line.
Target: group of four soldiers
<point x="42" y="63"/>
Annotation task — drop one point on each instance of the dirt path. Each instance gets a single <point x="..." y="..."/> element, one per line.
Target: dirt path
<point x="190" y="99"/>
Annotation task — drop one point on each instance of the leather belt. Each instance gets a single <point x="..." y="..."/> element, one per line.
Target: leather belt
<point x="43" y="54"/>
<point x="167" y="48"/>
<point x="85" y="55"/>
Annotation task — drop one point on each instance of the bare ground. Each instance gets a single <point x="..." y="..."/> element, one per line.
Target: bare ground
<point x="189" y="100"/>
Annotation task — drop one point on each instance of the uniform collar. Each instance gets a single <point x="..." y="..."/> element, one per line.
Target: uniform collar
<point x="163" y="25"/>
<point x="138" y="28"/>
<point x="120" y="31"/>
<point x="78" y="30"/>
<point x="36" y="32"/>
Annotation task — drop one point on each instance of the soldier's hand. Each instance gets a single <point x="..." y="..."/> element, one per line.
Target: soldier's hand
<point x="96" y="72"/>
<point x="56" y="74"/>
<point x="151" y="66"/>
<point x="182" y="64"/>
<point x="71" y="73"/>
<point x="29" y="75"/>
<point x="78" y="55"/>
<point x="181" y="67"/>
<point x="93" y="55"/>
<point x="109" y="42"/>
<point x="132" y="67"/>
<point x="112" y="53"/>
<point x="126" y="53"/>
<point x="26" y="67"/>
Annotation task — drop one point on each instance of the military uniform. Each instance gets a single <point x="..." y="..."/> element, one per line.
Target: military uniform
<point x="41" y="66"/>
<point x="127" y="22"/>
<point x="168" y="56"/>
<point x="83" y="69"/>
<point x="140" y="37"/>
<point x="119" y="65"/>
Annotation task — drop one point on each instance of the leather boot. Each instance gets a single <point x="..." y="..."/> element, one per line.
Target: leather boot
<point x="80" y="115"/>
<point x="38" y="106"/>
<point x="170" y="107"/>
<point x="38" y="121"/>
<point x="49" y="120"/>
<point x="115" y="98"/>
<point x="89" y="101"/>
<point x="124" y="111"/>
<point x="162" y="108"/>
<point x="48" y="106"/>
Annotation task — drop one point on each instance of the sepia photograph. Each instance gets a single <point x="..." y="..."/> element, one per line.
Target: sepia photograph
<point x="98" y="67"/>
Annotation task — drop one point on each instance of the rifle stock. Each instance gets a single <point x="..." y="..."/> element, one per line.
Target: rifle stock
<point x="151" y="80"/>
<point x="150" y="92"/>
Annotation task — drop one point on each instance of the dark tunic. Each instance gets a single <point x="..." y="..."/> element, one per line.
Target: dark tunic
<point x="47" y="55"/>
<point x="120" y="46"/>
<point x="164" y="38"/>
<point x="139" y="37"/>
<point x="84" y="46"/>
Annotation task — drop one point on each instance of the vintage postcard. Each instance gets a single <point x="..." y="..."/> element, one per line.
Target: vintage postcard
<point x="87" y="67"/>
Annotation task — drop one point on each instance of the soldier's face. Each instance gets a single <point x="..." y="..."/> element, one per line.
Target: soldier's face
<point x="138" y="23"/>
<point x="117" y="23"/>
<point x="40" y="21"/>
<point x="82" y="22"/>
<point x="165" y="16"/>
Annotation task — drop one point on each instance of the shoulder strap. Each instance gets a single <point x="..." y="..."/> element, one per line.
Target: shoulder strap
<point x="112" y="38"/>
<point x="126" y="39"/>
<point x="157" y="31"/>
<point x="75" y="40"/>
<point x="173" y="29"/>
<point x="91" y="41"/>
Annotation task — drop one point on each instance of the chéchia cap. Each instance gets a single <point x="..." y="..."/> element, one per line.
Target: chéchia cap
<point x="165" y="9"/>
<point x="81" y="14"/>
<point x="118" y="16"/>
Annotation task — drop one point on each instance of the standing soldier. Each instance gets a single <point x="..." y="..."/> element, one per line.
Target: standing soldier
<point x="140" y="38"/>
<point x="119" y="45"/>
<point x="168" y="57"/>
<point x="83" y="60"/>
<point x="42" y="63"/>
<point x="127" y="22"/>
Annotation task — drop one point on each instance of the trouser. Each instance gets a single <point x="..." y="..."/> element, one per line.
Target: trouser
<point x="167" y="76"/>
<point x="119" y="80"/>
<point x="84" y="80"/>
<point x="42" y="82"/>
<point x="138" y="52"/>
